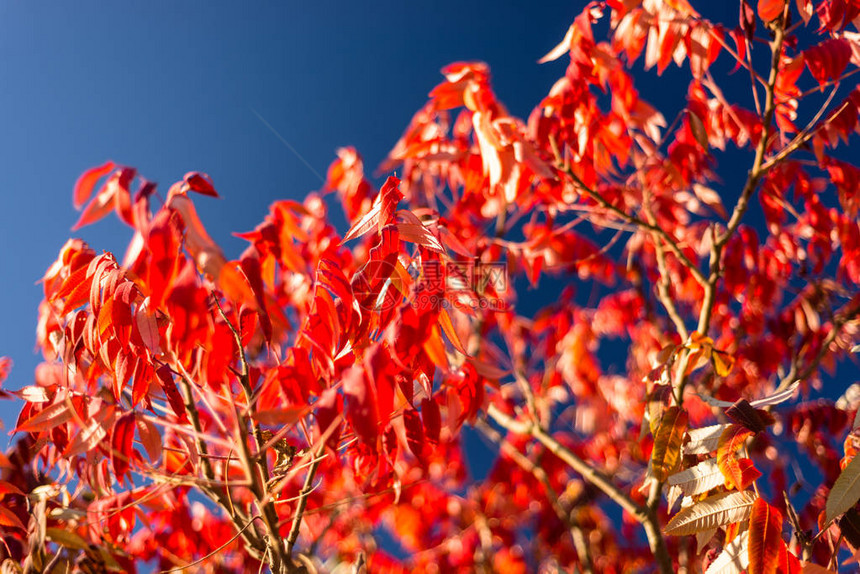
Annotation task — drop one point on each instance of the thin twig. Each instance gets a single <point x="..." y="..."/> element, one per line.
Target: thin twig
<point x="303" y="501"/>
<point x="671" y="243"/>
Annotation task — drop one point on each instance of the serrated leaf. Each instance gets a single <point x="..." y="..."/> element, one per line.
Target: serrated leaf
<point x="734" y="558"/>
<point x="765" y="538"/>
<point x="698" y="479"/>
<point x="718" y="510"/>
<point x="666" y="455"/>
<point x="704" y="440"/>
<point x="845" y="492"/>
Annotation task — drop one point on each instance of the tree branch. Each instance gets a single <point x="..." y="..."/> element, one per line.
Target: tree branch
<point x="241" y="520"/>
<point x="627" y="218"/>
<point x="754" y="176"/>
<point x="279" y="560"/>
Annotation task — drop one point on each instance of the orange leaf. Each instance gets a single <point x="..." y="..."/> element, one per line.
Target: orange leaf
<point x="765" y="540"/>
<point x="434" y="346"/>
<point x="450" y="332"/>
<point x="770" y="9"/>
<point x="730" y="441"/>
<point x="666" y="455"/>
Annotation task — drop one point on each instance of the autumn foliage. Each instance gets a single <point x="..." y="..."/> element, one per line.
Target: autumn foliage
<point x="304" y="407"/>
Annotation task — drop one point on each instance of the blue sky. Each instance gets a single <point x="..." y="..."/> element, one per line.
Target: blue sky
<point x="172" y="87"/>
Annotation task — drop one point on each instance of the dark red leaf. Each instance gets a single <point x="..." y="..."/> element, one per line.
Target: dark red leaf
<point x="122" y="441"/>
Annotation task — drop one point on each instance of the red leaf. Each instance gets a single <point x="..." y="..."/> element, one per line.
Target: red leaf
<point x="828" y="60"/>
<point x="123" y="370"/>
<point x="368" y="221"/>
<point x="85" y="184"/>
<point x="432" y="419"/>
<point x="450" y="332"/>
<point x="165" y="379"/>
<point x="414" y="433"/>
<point x="200" y="182"/>
<point x="113" y="195"/>
<point x="765" y="538"/>
<point x="149" y="438"/>
<point x="46" y="419"/>
<point x="142" y="377"/>
<point x="9" y="518"/>
<point x="382" y="213"/>
<point x="121" y="444"/>
<point x="361" y="405"/>
<point x="250" y="263"/>
<point x="327" y="409"/>
<point x="8" y="488"/>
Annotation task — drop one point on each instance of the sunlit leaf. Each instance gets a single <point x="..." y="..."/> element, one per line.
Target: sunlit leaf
<point x="704" y="440"/>
<point x="765" y="538"/>
<point x="734" y="558"/>
<point x="666" y="455"/>
<point x="718" y="510"/>
<point x="699" y="478"/>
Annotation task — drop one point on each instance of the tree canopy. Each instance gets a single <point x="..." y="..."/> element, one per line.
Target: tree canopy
<point x="303" y="407"/>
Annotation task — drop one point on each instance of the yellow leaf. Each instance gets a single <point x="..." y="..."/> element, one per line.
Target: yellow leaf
<point x="666" y="455"/>
<point x="723" y="363"/>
